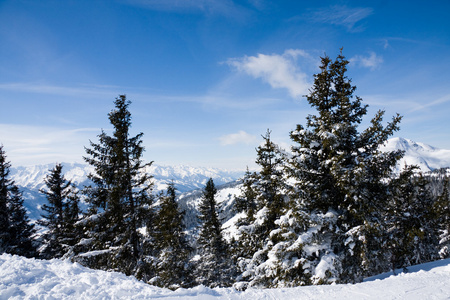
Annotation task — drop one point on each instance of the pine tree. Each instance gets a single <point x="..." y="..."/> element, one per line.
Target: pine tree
<point x="170" y="241"/>
<point x="246" y="203"/>
<point x="338" y="170"/>
<point x="5" y="183"/>
<point x="412" y="221"/>
<point x="16" y="232"/>
<point x="442" y="211"/>
<point x="269" y="185"/>
<point x="118" y="197"/>
<point x="244" y="247"/>
<point x="61" y="214"/>
<point x="214" y="268"/>
<point x="255" y="234"/>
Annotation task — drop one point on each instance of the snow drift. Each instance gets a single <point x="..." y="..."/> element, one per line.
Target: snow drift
<point x="22" y="278"/>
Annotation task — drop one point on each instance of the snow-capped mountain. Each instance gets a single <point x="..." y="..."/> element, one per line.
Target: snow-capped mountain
<point x="426" y="157"/>
<point x="186" y="178"/>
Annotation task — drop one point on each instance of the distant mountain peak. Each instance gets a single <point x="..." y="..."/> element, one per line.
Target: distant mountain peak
<point x="426" y="157"/>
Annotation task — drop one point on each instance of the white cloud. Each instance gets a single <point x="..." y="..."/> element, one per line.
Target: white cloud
<point x="280" y="71"/>
<point x="342" y="15"/>
<point x="372" y="61"/>
<point x="241" y="137"/>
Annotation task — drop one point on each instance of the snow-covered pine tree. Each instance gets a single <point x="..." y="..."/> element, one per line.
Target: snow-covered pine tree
<point x="398" y="219"/>
<point x="412" y="230"/>
<point x="442" y="211"/>
<point x="245" y="205"/>
<point x="427" y="242"/>
<point x="255" y="239"/>
<point x="60" y="215"/>
<point x="120" y="191"/>
<point x="16" y="232"/>
<point x="340" y="171"/>
<point x="246" y="202"/>
<point x="269" y="184"/>
<point x="5" y="183"/>
<point x="172" y="260"/>
<point x="214" y="267"/>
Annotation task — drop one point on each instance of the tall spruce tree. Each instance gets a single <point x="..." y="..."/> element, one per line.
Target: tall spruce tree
<point x="61" y="214"/>
<point x="173" y="251"/>
<point x="16" y="232"/>
<point x="339" y="170"/>
<point x="214" y="267"/>
<point x="118" y="197"/>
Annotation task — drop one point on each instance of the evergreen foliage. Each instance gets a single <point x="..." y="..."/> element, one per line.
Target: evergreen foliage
<point x="246" y="203"/>
<point x="267" y="190"/>
<point x="16" y="232"/>
<point x="338" y="169"/>
<point x="119" y="197"/>
<point x="172" y="265"/>
<point x="413" y="236"/>
<point x="214" y="267"/>
<point x="442" y="211"/>
<point x="61" y="214"/>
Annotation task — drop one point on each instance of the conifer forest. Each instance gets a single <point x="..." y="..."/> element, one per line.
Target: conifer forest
<point x="330" y="209"/>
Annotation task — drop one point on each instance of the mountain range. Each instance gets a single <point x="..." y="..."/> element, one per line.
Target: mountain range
<point x="31" y="179"/>
<point x="189" y="180"/>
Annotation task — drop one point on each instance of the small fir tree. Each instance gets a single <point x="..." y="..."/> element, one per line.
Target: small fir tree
<point x="61" y="214"/>
<point x="16" y="232"/>
<point x="214" y="268"/>
<point x="170" y="241"/>
<point x="442" y="211"/>
<point x="255" y="238"/>
<point x="412" y="229"/>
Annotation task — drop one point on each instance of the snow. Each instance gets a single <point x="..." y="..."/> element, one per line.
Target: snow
<point x="184" y="177"/>
<point x="426" y="157"/>
<point x="22" y="278"/>
<point x="30" y="180"/>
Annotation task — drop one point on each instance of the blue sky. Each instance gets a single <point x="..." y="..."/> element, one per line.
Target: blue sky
<point x="206" y="78"/>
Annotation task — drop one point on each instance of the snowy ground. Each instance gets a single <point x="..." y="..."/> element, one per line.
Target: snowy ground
<point x="22" y="278"/>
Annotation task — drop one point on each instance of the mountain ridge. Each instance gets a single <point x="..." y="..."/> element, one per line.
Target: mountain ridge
<point x="426" y="157"/>
<point x="190" y="180"/>
<point x="31" y="179"/>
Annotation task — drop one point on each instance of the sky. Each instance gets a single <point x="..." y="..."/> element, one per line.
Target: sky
<point x="207" y="78"/>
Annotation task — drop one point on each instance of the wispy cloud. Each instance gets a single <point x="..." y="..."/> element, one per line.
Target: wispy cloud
<point x="93" y="90"/>
<point x="438" y="101"/>
<point x="342" y="16"/>
<point x="280" y="71"/>
<point x="372" y="61"/>
<point x="26" y="145"/>
<point x="241" y="137"/>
